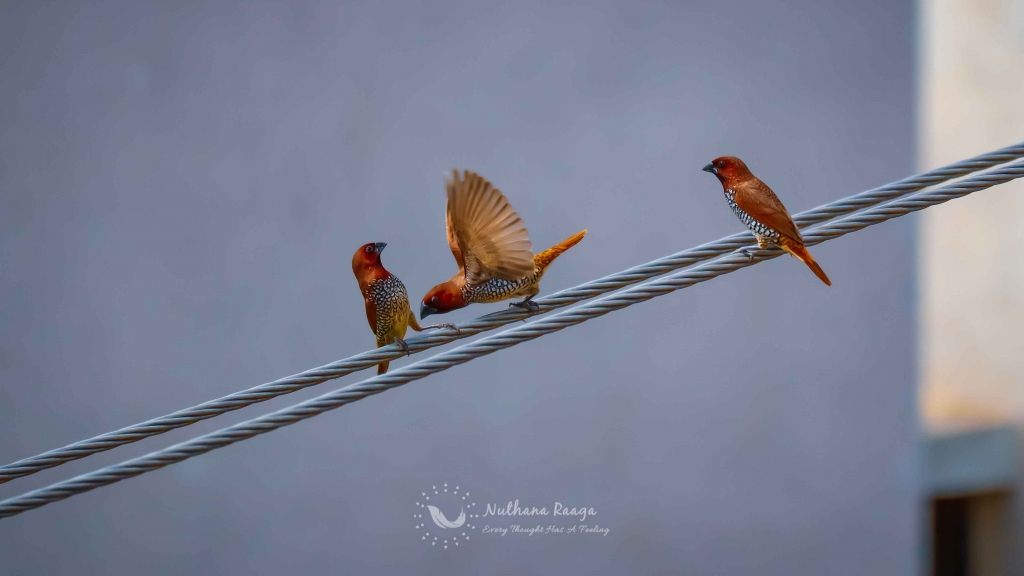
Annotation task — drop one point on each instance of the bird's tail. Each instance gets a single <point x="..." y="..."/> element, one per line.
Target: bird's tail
<point x="800" y="252"/>
<point x="545" y="258"/>
<point x="383" y="366"/>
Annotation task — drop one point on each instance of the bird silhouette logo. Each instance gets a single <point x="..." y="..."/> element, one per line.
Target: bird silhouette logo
<point x="445" y="533"/>
<point x="438" y="517"/>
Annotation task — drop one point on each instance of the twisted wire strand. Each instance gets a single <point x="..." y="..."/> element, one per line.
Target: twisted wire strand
<point x="315" y="376"/>
<point x="490" y="344"/>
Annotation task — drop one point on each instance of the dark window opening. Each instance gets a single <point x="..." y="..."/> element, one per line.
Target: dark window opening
<point x="950" y="536"/>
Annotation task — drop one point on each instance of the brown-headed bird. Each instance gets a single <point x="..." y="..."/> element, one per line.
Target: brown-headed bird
<point x="492" y="248"/>
<point x="761" y="211"/>
<point x="387" y="304"/>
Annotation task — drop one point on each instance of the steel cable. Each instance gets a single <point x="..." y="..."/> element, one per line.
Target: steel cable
<point x="490" y="344"/>
<point x="312" y="377"/>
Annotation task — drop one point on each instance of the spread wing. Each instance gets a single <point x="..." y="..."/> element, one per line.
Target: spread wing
<point x="758" y="200"/>
<point x="487" y="237"/>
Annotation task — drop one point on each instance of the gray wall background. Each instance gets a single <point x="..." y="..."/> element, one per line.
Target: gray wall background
<point x="182" y="187"/>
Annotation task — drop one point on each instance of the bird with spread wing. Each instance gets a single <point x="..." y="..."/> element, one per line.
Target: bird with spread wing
<point x="492" y="248"/>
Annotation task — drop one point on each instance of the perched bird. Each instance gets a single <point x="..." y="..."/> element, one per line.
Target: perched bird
<point x="387" y="304"/>
<point x="492" y="248"/>
<point x="761" y="211"/>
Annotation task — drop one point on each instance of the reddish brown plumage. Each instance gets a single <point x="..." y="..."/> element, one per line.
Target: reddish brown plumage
<point x="545" y="258"/>
<point x="387" y="304"/>
<point x="757" y="206"/>
<point x="367" y="267"/>
<point x="443" y="298"/>
<point x="492" y="248"/>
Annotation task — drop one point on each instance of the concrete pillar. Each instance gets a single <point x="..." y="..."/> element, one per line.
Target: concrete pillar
<point x="972" y="250"/>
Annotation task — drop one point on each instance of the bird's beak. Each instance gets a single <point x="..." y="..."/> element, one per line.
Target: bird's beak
<point x="710" y="168"/>
<point x="380" y="246"/>
<point x="426" y="310"/>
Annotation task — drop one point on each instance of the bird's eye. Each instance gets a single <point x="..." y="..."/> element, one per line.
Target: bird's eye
<point x="434" y="299"/>
<point x="369" y="249"/>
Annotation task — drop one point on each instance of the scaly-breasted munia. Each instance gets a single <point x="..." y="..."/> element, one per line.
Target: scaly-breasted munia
<point x="761" y="211"/>
<point x="492" y="248"/>
<point x="387" y="303"/>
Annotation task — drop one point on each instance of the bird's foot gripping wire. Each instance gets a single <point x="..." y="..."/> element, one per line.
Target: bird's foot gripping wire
<point x="748" y="251"/>
<point x="405" y="347"/>
<point x="447" y="325"/>
<point x="528" y="304"/>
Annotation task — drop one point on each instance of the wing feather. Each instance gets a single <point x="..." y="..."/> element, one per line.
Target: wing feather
<point x="487" y="237"/>
<point x="758" y="200"/>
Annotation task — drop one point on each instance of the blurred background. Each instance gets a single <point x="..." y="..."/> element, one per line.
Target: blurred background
<point x="972" y="290"/>
<point x="182" y="187"/>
